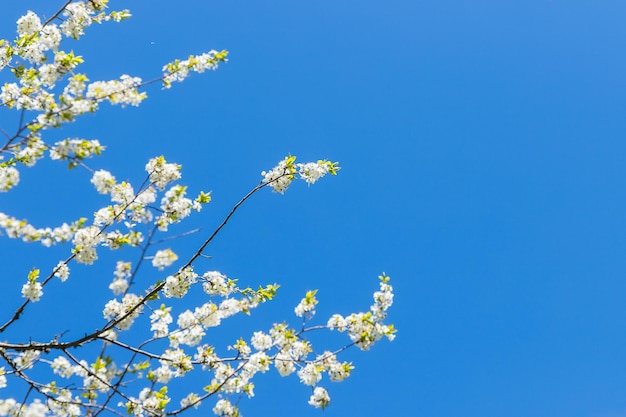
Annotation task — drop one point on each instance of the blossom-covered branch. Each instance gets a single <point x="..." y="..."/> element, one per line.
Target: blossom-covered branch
<point x="145" y="344"/>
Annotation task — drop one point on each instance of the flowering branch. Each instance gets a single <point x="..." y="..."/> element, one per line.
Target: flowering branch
<point x="145" y="341"/>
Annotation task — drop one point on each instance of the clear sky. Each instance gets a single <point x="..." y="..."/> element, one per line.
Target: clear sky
<point x="483" y="147"/>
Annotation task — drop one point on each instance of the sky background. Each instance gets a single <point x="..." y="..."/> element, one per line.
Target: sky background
<point x="482" y="146"/>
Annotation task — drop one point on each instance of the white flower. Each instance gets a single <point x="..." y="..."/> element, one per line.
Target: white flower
<point x="104" y="216"/>
<point x="284" y="364"/>
<point x="122" y="193"/>
<point x="310" y="374"/>
<point x="28" y="24"/>
<point x="10" y="95"/>
<point x="177" y="285"/>
<point x="27" y="359"/>
<point x="177" y="359"/>
<point x="85" y="241"/>
<point x="215" y="283"/>
<point x="161" y="172"/>
<point x="175" y="207"/>
<point x="300" y="349"/>
<point x="311" y="172"/>
<point x="77" y="18"/>
<point x="186" y="319"/>
<point x="258" y="362"/>
<point x="164" y="258"/>
<point x="103" y="181"/>
<point x="179" y="70"/>
<point x="209" y="315"/>
<point x="229" y="307"/>
<point x="160" y="320"/>
<point x="34" y="409"/>
<point x="163" y="374"/>
<point x="206" y="356"/>
<point x="121" y="92"/>
<point x="192" y="399"/>
<point x="10" y="407"/>
<point x="284" y="173"/>
<point x="307" y="305"/>
<point x="61" y="366"/>
<point x="51" y="36"/>
<point x="5" y="55"/>
<point x="261" y="341"/>
<point x="320" y="398"/>
<point x="336" y="322"/>
<point x="9" y="178"/>
<point x="76" y="148"/>
<point x="281" y="175"/>
<point x="62" y="271"/>
<point x="32" y="290"/>
<point x="118" y="286"/>
<point x="339" y="371"/>
<point x="31" y="152"/>
<point x="64" y="405"/>
<point x="190" y="336"/>
<point x="224" y="408"/>
<point x="114" y="310"/>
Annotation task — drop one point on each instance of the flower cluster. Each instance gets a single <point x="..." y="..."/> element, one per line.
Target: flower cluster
<point x="62" y="271"/>
<point x="164" y="258"/>
<point x="175" y="207"/>
<point x="120" y="278"/>
<point x="306" y="307"/>
<point x="123" y="91"/>
<point x="21" y="229"/>
<point x="161" y="172"/>
<point x="9" y="178"/>
<point x="32" y="290"/>
<point x="75" y="150"/>
<point x="367" y="328"/>
<point x="124" y="312"/>
<point x="179" y="70"/>
<point x="281" y="176"/>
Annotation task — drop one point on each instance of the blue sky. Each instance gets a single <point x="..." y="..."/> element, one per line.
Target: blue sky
<point x="482" y="146"/>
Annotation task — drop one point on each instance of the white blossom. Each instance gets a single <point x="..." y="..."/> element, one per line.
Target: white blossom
<point x="306" y="307"/>
<point x="62" y="271"/>
<point x="261" y="341"/>
<point x="32" y="290"/>
<point x="28" y="24"/>
<point x="215" y="283"/>
<point x="192" y="399"/>
<point x="123" y="91"/>
<point x="26" y="359"/>
<point x="160" y="320"/>
<point x="284" y="364"/>
<point x="224" y="408"/>
<point x="179" y="70"/>
<point x="320" y="398"/>
<point x="62" y="367"/>
<point x="118" y="286"/>
<point x="64" y="405"/>
<point x="162" y="173"/>
<point x="85" y="241"/>
<point x="178" y="284"/>
<point x="103" y="181"/>
<point x="129" y="308"/>
<point x="9" y="178"/>
<point x="164" y="258"/>
<point x="281" y="175"/>
<point x="310" y="374"/>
